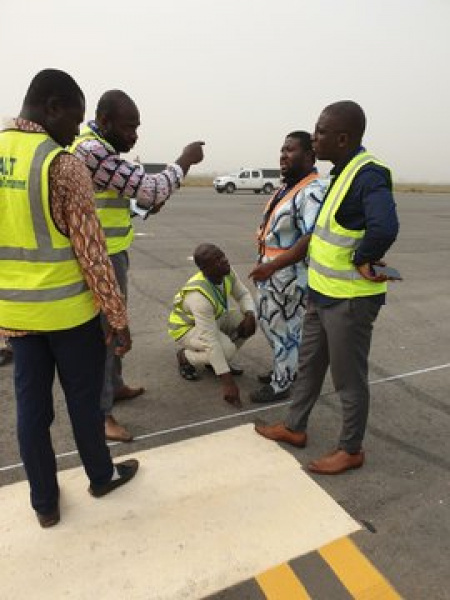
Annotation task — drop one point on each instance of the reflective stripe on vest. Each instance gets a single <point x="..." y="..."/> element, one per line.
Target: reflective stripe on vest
<point x="180" y="320"/>
<point x="44" y="251"/>
<point x="113" y="210"/>
<point x="331" y="270"/>
<point x="272" y="251"/>
<point x="41" y="284"/>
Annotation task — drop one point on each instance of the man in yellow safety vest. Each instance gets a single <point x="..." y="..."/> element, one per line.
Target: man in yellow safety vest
<point x="207" y="330"/>
<point x="355" y="228"/>
<point x="55" y="274"/>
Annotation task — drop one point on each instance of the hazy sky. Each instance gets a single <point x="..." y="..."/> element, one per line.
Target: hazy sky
<point x="240" y="74"/>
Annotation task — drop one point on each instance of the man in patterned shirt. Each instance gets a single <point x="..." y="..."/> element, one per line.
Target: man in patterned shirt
<point x="288" y="218"/>
<point x="116" y="181"/>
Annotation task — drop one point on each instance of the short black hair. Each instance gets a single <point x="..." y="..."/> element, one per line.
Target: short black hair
<point x="110" y="101"/>
<point x="53" y="83"/>
<point x="351" y="118"/>
<point x="304" y="139"/>
<point x="203" y="252"/>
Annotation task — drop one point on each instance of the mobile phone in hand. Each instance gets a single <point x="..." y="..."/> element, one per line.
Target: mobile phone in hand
<point x="390" y="272"/>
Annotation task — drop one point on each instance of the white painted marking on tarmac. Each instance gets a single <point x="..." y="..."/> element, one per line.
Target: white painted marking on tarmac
<point x="143" y="234"/>
<point x="410" y="374"/>
<point x="202" y="515"/>
<point x="243" y="413"/>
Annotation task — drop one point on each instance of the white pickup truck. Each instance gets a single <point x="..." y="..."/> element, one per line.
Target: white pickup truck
<point x="258" y="180"/>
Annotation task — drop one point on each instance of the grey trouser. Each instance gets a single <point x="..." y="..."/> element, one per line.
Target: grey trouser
<point x="338" y="336"/>
<point x="113" y="366"/>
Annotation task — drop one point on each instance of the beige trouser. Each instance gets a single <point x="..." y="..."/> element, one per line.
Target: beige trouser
<point x="199" y="351"/>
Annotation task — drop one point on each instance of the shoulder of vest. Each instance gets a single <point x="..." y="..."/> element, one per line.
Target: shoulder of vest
<point x="21" y="131"/>
<point x="89" y="134"/>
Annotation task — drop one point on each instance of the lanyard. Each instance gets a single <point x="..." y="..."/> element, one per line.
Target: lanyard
<point x="220" y="297"/>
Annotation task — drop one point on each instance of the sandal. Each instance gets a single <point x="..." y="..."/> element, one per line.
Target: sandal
<point x="186" y="370"/>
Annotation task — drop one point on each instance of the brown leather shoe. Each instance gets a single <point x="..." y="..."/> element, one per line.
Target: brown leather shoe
<point x="127" y="393"/>
<point x="337" y="462"/>
<point x="116" y="432"/>
<point x="280" y="433"/>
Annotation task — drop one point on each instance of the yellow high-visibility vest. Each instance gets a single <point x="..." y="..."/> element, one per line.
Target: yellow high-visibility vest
<point x="331" y="271"/>
<point x="42" y="287"/>
<point x="182" y="320"/>
<point x="113" y="210"/>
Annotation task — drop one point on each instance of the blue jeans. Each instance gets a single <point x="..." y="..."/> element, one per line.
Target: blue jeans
<point x="78" y="355"/>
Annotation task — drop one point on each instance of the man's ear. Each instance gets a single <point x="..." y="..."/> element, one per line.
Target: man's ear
<point x="103" y="122"/>
<point x="343" y="140"/>
<point x="52" y="107"/>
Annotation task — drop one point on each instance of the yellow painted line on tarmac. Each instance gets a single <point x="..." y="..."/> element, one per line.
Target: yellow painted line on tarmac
<point x="281" y="582"/>
<point x="356" y="572"/>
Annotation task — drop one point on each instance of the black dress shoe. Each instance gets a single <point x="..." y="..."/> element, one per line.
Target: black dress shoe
<point x="236" y="371"/>
<point x="267" y="394"/>
<point x="266" y="377"/>
<point x="49" y="519"/>
<point x="126" y="469"/>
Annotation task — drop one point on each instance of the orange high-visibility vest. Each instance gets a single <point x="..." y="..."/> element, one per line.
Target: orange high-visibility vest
<point x="270" y="251"/>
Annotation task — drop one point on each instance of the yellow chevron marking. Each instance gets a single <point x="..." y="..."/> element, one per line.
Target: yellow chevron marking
<point x="281" y="582"/>
<point x="356" y="572"/>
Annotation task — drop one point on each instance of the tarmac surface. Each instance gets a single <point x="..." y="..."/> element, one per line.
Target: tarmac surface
<point x="401" y="496"/>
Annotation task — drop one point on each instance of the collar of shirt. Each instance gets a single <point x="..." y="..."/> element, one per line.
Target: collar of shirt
<point x="26" y="125"/>
<point x="96" y="129"/>
<point x="337" y="169"/>
<point x="288" y="185"/>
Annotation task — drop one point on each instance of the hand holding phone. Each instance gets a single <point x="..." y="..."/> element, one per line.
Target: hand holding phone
<point x="390" y="272"/>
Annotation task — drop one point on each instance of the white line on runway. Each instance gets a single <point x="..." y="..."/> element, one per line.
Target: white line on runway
<point x="147" y="436"/>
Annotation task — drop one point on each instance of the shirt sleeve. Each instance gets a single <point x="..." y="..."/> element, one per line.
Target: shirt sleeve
<point x="381" y="221"/>
<point x="242" y="296"/>
<point x="308" y="203"/>
<point x="207" y="330"/>
<point x="110" y="172"/>
<point x="73" y="211"/>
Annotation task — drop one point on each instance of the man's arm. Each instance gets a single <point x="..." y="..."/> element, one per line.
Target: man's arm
<point x="381" y="221"/>
<point x="244" y="299"/>
<point x="111" y="172"/>
<point x="296" y="253"/>
<point x="207" y="331"/>
<point x="74" y="213"/>
<point x="309" y="202"/>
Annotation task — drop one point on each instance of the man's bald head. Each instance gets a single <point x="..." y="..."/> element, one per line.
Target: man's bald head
<point x="204" y="253"/>
<point x="211" y="260"/>
<point x="339" y="131"/>
<point x="117" y="116"/>
<point x="350" y="118"/>
<point x="113" y="102"/>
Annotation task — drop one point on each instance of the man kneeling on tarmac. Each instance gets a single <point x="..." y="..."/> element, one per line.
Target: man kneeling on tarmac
<point x="206" y="330"/>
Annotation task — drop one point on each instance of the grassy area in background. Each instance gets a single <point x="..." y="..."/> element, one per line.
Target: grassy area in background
<point x="434" y="188"/>
<point x="207" y="181"/>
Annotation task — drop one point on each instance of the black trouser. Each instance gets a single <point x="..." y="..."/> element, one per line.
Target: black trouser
<point x="79" y="357"/>
<point x="338" y="336"/>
